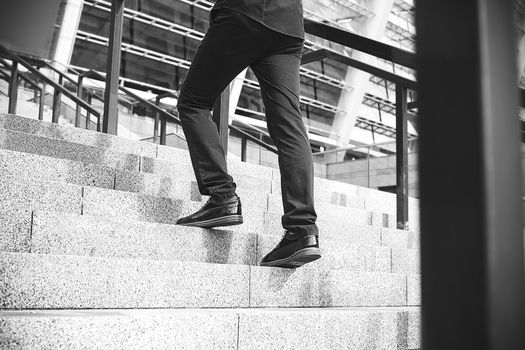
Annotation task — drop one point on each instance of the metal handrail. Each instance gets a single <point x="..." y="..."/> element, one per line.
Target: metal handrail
<point x="96" y="75"/>
<point x="360" y="43"/>
<point x="41" y="76"/>
<point x="350" y="148"/>
<point x="324" y="53"/>
<point x="30" y="82"/>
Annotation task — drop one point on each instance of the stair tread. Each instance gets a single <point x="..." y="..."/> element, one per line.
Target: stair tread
<point x="64" y="281"/>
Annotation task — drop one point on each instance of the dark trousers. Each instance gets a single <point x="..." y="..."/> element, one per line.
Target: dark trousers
<point x="232" y="43"/>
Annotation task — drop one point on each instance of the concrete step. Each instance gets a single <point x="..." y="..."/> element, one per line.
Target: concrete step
<point x="275" y="203"/>
<point x="110" y="159"/>
<point x="19" y="199"/>
<point x="114" y="143"/>
<point x="27" y="167"/>
<point x="22" y="198"/>
<point x="246" y="176"/>
<point x="355" y="225"/>
<point x="76" y="135"/>
<point x="34" y="136"/>
<point x="35" y="281"/>
<point x="29" y="143"/>
<point x="237" y="329"/>
<point x="20" y="166"/>
<point x="72" y="234"/>
<point x="172" y="164"/>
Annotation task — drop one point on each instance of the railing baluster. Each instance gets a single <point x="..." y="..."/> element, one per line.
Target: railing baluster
<point x="88" y="98"/>
<point x="57" y="96"/>
<point x="163" y="128"/>
<point x="13" y="88"/>
<point x="41" y="104"/>
<point x="401" y="157"/>
<point x="156" y="123"/>
<point x="110" y="122"/>
<point x="244" y="147"/>
<point x="80" y="94"/>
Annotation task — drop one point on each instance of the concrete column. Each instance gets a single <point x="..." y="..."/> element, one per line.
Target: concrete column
<point x="68" y="32"/>
<point x="351" y="99"/>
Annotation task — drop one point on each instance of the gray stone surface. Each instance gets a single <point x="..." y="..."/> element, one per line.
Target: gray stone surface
<point x="174" y="154"/>
<point x="310" y="286"/>
<point x="414" y="329"/>
<point x="379" y="201"/>
<point x="76" y="135"/>
<point x="183" y="171"/>
<point x="29" y="143"/>
<point x="346" y="288"/>
<point x="353" y="228"/>
<point x="243" y="329"/>
<point x="325" y="190"/>
<point x="44" y="195"/>
<point x="313" y="329"/>
<point x="20" y="198"/>
<point x="337" y="254"/>
<point x="126" y="205"/>
<point x="30" y="281"/>
<point x="378" y="219"/>
<point x="191" y="329"/>
<point x="27" y="167"/>
<point x="236" y="166"/>
<point x="59" y="233"/>
<point x="154" y="185"/>
<point x="275" y="204"/>
<point x="406" y="261"/>
<point x="15" y="229"/>
<point x="399" y="238"/>
<point x="414" y="290"/>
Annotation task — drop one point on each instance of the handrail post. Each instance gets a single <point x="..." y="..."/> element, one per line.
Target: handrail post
<point x="13" y="88"/>
<point x="401" y="157"/>
<point x="57" y="96"/>
<point x="156" y="123"/>
<point x="244" y="148"/>
<point x="41" y="104"/>
<point x="88" y="97"/>
<point x="221" y="115"/>
<point x="110" y="122"/>
<point x="80" y="94"/>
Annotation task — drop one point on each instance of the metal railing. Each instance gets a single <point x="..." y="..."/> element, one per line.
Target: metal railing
<point x="108" y="121"/>
<point x="402" y="84"/>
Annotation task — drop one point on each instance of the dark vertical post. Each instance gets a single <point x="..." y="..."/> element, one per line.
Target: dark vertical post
<point x="221" y="114"/>
<point x="156" y="123"/>
<point x="88" y="98"/>
<point x="401" y="157"/>
<point x="244" y="148"/>
<point x="41" y="104"/>
<point x="13" y="88"/>
<point x="110" y="120"/>
<point x="473" y="288"/>
<point x="57" y="97"/>
<point x="163" y="128"/>
<point x="80" y="94"/>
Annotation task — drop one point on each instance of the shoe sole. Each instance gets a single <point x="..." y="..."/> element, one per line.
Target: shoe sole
<point x="297" y="259"/>
<point x="230" y="220"/>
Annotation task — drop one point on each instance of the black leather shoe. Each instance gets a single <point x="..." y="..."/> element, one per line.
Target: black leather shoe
<point x="216" y="212"/>
<point x="293" y="251"/>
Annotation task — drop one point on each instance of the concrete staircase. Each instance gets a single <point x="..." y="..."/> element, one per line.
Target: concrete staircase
<point x="90" y="257"/>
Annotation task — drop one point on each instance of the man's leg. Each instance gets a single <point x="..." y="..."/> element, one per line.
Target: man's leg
<point x="224" y="52"/>
<point x="278" y="75"/>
